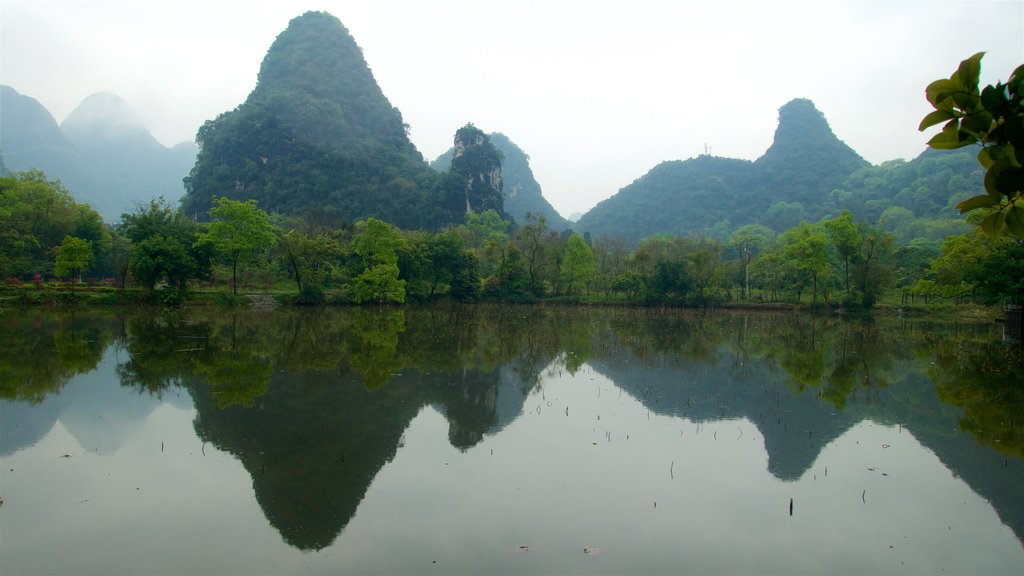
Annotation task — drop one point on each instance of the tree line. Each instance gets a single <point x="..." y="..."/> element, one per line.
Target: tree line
<point x="839" y="261"/>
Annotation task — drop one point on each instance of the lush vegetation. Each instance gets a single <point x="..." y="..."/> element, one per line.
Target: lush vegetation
<point x="839" y="261"/>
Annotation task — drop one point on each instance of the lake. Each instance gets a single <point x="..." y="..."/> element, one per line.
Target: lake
<point x="506" y="440"/>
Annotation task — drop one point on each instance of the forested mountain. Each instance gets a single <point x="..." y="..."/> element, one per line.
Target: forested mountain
<point x="806" y="174"/>
<point x="317" y="137"/>
<point x="521" y="192"/>
<point x="101" y="152"/>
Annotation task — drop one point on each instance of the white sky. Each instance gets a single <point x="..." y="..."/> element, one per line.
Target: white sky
<point x="596" y="92"/>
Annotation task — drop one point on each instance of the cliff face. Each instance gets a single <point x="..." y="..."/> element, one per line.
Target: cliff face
<point x="478" y="162"/>
<point x="521" y="193"/>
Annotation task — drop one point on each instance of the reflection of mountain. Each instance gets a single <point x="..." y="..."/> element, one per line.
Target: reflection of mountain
<point x="99" y="412"/>
<point x="314" y="433"/>
<point x="315" y="441"/>
<point x="312" y="444"/>
<point x="795" y="427"/>
<point x="22" y="424"/>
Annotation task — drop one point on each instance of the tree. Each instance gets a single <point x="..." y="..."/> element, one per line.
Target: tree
<point x="308" y="259"/>
<point x="535" y="241"/>
<point x="73" y="256"/>
<point x="872" y="262"/>
<point x="160" y="258"/>
<point x="750" y="241"/>
<point x="165" y="245"/>
<point x="847" y="240"/>
<point x="577" y="264"/>
<point x="36" y="214"/>
<point x="993" y="118"/>
<point x="239" y="233"/>
<point x="804" y="246"/>
<point x="376" y="246"/>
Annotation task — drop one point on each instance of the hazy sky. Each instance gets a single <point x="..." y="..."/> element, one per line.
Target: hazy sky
<point x="597" y="93"/>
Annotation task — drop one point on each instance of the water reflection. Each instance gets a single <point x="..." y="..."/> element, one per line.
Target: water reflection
<point x="316" y="403"/>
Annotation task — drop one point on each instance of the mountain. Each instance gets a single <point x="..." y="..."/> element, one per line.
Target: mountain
<point x="317" y="137"/>
<point x="31" y="138"/>
<point x="129" y="163"/>
<point x="521" y="192"/>
<point x="102" y="152"/>
<point x="805" y="158"/>
<point x="715" y="195"/>
<point x="478" y="162"/>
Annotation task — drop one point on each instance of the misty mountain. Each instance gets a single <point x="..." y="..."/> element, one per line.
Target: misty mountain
<point x="521" y="191"/>
<point x="318" y="138"/>
<point x="31" y="138"/>
<point x="807" y="173"/>
<point x="102" y="152"/>
<point x="125" y="159"/>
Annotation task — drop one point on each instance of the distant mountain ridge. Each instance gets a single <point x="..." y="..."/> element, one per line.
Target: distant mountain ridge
<point x="102" y="152"/>
<point x="805" y="161"/>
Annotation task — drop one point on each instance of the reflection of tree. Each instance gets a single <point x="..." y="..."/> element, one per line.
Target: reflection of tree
<point x="985" y="379"/>
<point x="159" y="349"/>
<point x="373" y="344"/>
<point x="863" y="362"/>
<point x="234" y="363"/>
<point x="41" y="352"/>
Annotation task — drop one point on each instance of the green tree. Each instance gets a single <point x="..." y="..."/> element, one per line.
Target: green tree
<point x="577" y="264"/>
<point x="376" y="246"/>
<point x="36" y="214"/>
<point x="308" y="259"/>
<point x="536" y="244"/>
<point x="239" y="233"/>
<point x="804" y="247"/>
<point x="73" y="257"/>
<point x="750" y="241"/>
<point x="844" y="235"/>
<point x="164" y="245"/>
<point x="873" y="266"/>
<point x="992" y="117"/>
<point x="159" y="258"/>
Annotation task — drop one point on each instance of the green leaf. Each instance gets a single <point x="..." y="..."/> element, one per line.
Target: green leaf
<point x="1015" y="221"/>
<point x="979" y="123"/>
<point x="938" y="91"/>
<point x="934" y="118"/>
<point x="948" y="139"/>
<point x="969" y="71"/>
<point x="985" y="158"/>
<point x="993" y="223"/>
<point x="1016" y="81"/>
<point x="993" y="99"/>
<point x="983" y="201"/>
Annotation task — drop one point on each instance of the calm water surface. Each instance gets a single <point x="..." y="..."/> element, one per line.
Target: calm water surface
<point x="507" y="440"/>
